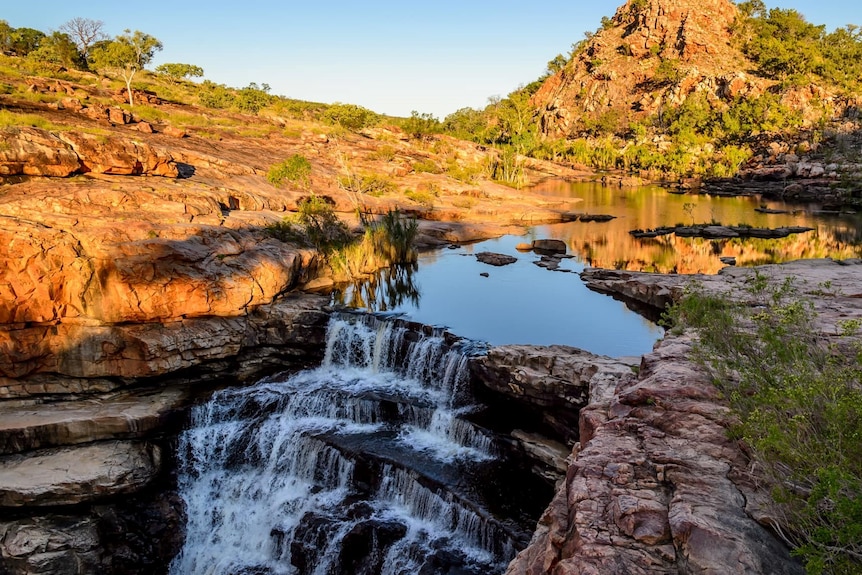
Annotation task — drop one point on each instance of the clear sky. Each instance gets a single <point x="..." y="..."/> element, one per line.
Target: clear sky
<point x="389" y="56"/>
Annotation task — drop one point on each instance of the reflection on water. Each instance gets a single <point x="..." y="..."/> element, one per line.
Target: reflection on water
<point x="609" y="245"/>
<point x="387" y="289"/>
<point x="524" y="303"/>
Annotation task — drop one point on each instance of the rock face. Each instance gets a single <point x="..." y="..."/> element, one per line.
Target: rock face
<point x="655" y="54"/>
<point x="657" y="486"/>
<point x="556" y="380"/>
<point x="37" y="152"/>
<point x="618" y="66"/>
<point x="64" y="476"/>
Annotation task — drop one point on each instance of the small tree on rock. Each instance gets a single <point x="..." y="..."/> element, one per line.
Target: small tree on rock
<point x="126" y="54"/>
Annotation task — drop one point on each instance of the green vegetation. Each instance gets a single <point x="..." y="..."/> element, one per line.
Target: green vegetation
<point x="788" y="48"/>
<point x="421" y="126"/>
<point x="349" y="116"/>
<point x="126" y="55"/>
<point x="295" y="169"/>
<point x="176" y="72"/>
<point x="372" y="184"/>
<point x="798" y="398"/>
<point x="315" y="224"/>
<point x="387" y="242"/>
<point x="9" y="119"/>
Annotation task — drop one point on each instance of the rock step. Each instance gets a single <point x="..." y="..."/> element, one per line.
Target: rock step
<point x="71" y="475"/>
<point x="130" y="415"/>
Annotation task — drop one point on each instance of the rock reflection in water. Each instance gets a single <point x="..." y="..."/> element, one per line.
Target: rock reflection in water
<point x="609" y="244"/>
<point x="385" y="290"/>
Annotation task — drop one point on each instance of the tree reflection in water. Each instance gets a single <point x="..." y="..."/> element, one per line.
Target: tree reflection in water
<point x="386" y="289"/>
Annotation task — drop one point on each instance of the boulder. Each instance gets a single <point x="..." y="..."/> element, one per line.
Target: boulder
<point x="549" y="246"/>
<point x="494" y="259"/>
<point x="35" y="152"/>
<point x="54" y="545"/>
<point x="71" y="475"/>
<point x="119" y="156"/>
<point x="174" y="132"/>
<point x="556" y="380"/>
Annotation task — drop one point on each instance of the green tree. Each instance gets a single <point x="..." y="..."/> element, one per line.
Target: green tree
<point x="25" y="40"/>
<point x="253" y="98"/>
<point x="5" y="36"/>
<point x="468" y="124"/>
<point x="349" y="116"/>
<point x="126" y="54"/>
<point x="176" y="72"/>
<point x="216" y="96"/>
<point x="556" y="64"/>
<point x="783" y="43"/>
<point x="421" y="125"/>
<point x="59" y="49"/>
<point x="84" y="32"/>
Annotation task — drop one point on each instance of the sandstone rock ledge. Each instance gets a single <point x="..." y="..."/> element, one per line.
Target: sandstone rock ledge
<point x="654" y="484"/>
<point x="656" y="487"/>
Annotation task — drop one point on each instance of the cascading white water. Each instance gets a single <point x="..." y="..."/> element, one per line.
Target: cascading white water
<point x="352" y="467"/>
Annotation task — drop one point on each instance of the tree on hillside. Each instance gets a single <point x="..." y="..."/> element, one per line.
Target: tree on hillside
<point x="25" y="40"/>
<point x="176" y="72"/>
<point x="59" y="49"/>
<point x="84" y="32"/>
<point x="126" y="54"/>
<point x="5" y="36"/>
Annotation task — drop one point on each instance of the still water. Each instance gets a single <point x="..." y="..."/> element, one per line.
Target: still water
<point x="523" y="303"/>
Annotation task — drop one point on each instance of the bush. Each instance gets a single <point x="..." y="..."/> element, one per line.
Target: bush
<point x="421" y="125"/>
<point x="295" y="169"/>
<point x="799" y="402"/>
<point x="216" y="96"/>
<point x="372" y="184"/>
<point x="315" y="224"/>
<point x="349" y="116"/>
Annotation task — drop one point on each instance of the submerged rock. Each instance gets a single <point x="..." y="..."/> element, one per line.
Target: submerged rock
<point x="549" y="246"/>
<point x="495" y="259"/>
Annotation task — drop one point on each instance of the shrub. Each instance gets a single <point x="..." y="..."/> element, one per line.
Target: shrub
<point x="372" y="184"/>
<point x="315" y="224"/>
<point x="427" y="165"/>
<point x="349" y="116"/>
<point x="424" y="197"/>
<point x="295" y="169"/>
<point x="421" y="125"/>
<point x="216" y="96"/>
<point x="799" y="403"/>
<point x="253" y="98"/>
<point x="506" y="168"/>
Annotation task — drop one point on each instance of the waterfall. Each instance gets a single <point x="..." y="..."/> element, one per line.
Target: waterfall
<point x="362" y="466"/>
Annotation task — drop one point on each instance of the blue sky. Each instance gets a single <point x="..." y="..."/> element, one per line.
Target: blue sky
<point x="389" y="56"/>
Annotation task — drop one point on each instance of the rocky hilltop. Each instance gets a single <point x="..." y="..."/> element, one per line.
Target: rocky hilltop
<point x="617" y="68"/>
<point x="654" y="54"/>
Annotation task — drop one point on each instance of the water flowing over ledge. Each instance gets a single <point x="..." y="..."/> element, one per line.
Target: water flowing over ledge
<point x="366" y="464"/>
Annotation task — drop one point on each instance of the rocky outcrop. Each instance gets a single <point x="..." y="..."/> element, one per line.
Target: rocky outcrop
<point x="38" y="152"/>
<point x="618" y="67"/>
<point x="656" y="485"/>
<point x="556" y="380"/>
<point x="837" y="279"/>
